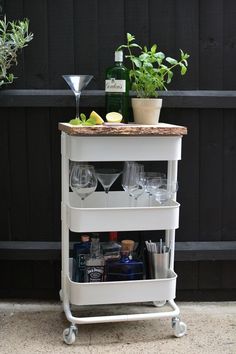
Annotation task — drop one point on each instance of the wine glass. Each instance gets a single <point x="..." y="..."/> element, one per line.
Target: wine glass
<point x="77" y="83"/>
<point x="107" y="176"/>
<point x="83" y="180"/>
<point x="135" y="181"/>
<point x="153" y="181"/>
<point x="166" y="191"/>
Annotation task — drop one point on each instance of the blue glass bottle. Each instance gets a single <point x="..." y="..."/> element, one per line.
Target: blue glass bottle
<point x="125" y="268"/>
<point x="80" y="253"/>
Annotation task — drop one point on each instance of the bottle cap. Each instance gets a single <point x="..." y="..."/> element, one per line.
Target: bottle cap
<point x="85" y="238"/>
<point x="113" y="236"/>
<point x="127" y="245"/>
<point x="119" y="55"/>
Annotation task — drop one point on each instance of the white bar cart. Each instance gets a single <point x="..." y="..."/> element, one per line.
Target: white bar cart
<point x="161" y="142"/>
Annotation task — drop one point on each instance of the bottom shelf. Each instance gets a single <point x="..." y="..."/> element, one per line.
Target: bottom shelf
<point x="122" y="292"/>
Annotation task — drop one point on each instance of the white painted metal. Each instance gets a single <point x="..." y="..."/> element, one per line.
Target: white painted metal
<point x="95" y="217"/>
<point x="123" y="148"/>
<point x="119" y="216"/>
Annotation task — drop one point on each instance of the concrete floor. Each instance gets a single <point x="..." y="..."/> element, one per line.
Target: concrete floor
<point x="37" y="328"/>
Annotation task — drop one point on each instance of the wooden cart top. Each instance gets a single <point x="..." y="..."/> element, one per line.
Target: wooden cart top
<point x="161" y="129"/>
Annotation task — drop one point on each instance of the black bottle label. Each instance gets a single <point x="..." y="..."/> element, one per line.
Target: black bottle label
<point x="95" y="274"/>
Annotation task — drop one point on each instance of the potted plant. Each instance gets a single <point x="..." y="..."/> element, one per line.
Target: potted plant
<point x="151" y="71"/>
<point x="13" y="37"/>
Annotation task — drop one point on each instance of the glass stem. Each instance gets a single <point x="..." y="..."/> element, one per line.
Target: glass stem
<point x="77" y="98"/>
<point x="106" y="196"/>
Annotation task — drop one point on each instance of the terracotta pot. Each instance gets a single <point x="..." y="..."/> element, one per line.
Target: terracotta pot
<point x="146" y="110"/>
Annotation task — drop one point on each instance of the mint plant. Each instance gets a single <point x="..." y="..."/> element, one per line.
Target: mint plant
<point x="151" y="70"/>
<point x="83" y="120"/>
<point x="13" y="37"/>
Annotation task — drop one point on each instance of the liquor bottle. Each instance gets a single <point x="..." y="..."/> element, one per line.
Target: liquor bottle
<point x="111" y="249"/>
<point x="125" y="268"/>
<point x="95" y="263"/>
<point x="81" y="251"/>
<point x="117" y="88"/>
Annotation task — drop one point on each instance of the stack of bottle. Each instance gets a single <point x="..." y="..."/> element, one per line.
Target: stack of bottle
<point x="109" y="261"/>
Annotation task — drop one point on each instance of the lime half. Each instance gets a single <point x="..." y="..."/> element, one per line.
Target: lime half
<point x="114" y="117"/>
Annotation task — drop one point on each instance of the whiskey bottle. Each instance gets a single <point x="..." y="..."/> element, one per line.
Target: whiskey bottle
<point x="117" y="86"/>
<point x="95" y="263"/>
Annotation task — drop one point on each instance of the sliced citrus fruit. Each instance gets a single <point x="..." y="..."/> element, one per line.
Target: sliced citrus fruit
<point x="114" y="117"/>
<point x="96" y="116"/>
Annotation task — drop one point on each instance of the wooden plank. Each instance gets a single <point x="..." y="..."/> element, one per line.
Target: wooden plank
<point x="161" y="129"/>
<point x="185" y="251"/>
<point x="229" y="49"/>
<point x="36" y="55"/>
<point x="229" y="172"/>
<point x="39" y="172"/>
<point x="19" y="179"/>
<point x="162" y="21"/>
<point x="187" y="38"/>
<point x="4" y="177"/>
<point x="96" y="98"/>
<point x="110" y="34"/>
<point x="61" y="44"/>
<point x="210" y="174"/>
<point x="87" y="48"/>
<point x="137" y="9"/>
<point x="211" y="44"/>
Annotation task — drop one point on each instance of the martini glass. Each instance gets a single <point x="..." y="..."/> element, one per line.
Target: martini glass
<point x="107" y="177"/>
<point x="77" y="83"/>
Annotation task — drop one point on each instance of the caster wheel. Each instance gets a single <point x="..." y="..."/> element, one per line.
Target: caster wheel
<point x="69" y="335"/>
<point x="180" y="328"/>
<point x="159" y="303"/>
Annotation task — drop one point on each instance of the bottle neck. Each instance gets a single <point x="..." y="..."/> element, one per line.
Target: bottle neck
<point x="95" y="248"/>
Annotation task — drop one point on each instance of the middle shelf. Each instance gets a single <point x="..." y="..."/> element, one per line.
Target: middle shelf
<point x="118" y="215"/>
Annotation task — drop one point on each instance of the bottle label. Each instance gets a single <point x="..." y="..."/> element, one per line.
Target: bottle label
<point x="113" y="85"/>
<point x="95" y="273"/>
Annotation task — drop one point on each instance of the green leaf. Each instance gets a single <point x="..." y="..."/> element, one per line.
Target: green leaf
<point x="75" y="121"/>
<point x="169" y="76"/>
<point x="172" y="61"/>
<point x="135" y="45"/>
<point x="83" y="117"/>
<point x="90" y="121"/>
<point x="136" y="61"/>
<point x="130" y="37"/>
<point x="154" y="48"/>
<point x="183" y="69"/>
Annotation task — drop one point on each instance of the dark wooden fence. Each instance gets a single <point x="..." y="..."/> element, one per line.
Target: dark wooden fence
<point x="80" y="37"/>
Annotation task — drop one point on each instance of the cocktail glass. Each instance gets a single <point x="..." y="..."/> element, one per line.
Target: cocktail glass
<point x="77" y="83"/>
<point x="107" y="177"/>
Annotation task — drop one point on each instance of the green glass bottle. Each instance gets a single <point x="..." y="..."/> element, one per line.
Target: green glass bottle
<point x="117" y="88"/>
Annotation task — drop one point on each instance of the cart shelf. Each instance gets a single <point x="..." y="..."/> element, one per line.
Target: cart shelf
<point x="94" y="216"/>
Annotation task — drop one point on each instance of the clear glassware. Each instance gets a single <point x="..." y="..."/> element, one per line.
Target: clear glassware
<point x="107" y="177"/>
<point x="152" y="182"/>
<point x="166" y="191"/>
<point x="136" y="182"/>
<point x="77" y="83"/>
<point x="83" y="180"/>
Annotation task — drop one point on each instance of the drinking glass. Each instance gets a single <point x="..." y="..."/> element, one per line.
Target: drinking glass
<point x="77" y="83"/>
<point x="166" y="191"/>
<point x="83" y="180"/>
<point x="152" y="182"/>
<point x="135" y="183"/>
<point x="107" y="177"/>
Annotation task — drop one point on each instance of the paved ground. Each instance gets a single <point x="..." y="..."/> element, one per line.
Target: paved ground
<point x="37" y="328"/>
